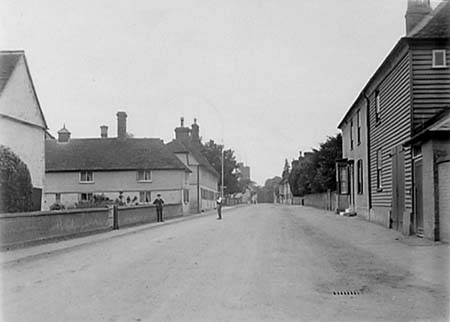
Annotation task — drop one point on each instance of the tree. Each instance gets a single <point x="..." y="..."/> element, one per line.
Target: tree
<point x="270" y="190"/>
<point x="213" y="153"/>
<point x="15" y="183"/>
<point x="328" y="153"/>
<point x="316" y="172"/>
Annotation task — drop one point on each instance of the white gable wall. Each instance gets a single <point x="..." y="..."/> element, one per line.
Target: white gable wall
<point x="18" y="99"/>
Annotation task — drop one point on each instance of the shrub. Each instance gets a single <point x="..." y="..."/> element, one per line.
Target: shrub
<point x="15" y="183"/>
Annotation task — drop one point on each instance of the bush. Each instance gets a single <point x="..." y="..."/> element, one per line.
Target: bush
<point x="57" y="206"/>
<point x="15" y="183"/>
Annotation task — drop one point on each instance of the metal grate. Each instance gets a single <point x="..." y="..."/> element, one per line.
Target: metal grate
<point x="346" y="293"/>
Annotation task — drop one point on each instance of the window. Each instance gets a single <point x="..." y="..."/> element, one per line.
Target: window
<point x="343" y="180"/>
<point x="144" y="175"/>
<point x="86" y="176"/>
<point x="86" y="197"/>
<point x="186" y="195"/>
<point x="351" y="135"/>
<point x="359" y="169"/>
<point x="379" y="170"/>
<point x="439" y="58"/>
<point x="358" y="127"/>
<point x="377" y="106"/>
<point x="58" y="198"/>
<point x="145" y="197"/>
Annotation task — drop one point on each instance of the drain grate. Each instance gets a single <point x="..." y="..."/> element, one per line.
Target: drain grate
<point x="347" y="293"/>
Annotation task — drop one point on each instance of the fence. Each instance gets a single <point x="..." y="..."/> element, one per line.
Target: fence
<point x="21" y="229"/>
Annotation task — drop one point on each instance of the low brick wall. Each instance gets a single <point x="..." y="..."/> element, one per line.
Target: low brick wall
<point x="137" y="215"/>
<point x="327" y="200"/>
<point x="32" y="227"/>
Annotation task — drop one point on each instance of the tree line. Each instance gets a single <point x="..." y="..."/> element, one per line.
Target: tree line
<point x="312" y="172"/>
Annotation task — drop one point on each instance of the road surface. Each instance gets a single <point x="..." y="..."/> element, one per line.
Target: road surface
<point x="261" y="263"/>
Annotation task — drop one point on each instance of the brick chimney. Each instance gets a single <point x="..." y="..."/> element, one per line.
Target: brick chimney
<point x="195" y="134"/>
<point x="103" y="131"/>
<point x="121" y="125"/>
<point x="417" y="10"/>
<point x="63" y="135"/>
<point x="182" y="132"/>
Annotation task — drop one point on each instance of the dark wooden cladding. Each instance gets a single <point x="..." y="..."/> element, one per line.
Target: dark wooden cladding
<point x="431" y="86"/>
<point x="393" y="129"/>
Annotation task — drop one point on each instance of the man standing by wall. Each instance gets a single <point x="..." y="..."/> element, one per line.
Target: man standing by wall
<point x="159" y="208"/>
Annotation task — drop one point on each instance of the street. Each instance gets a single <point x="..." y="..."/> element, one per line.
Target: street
<point x="261" y="263"/>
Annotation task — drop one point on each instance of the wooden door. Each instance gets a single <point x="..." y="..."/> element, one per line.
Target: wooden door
<point x="398" y="187"/>
<point x="418" y="197"/>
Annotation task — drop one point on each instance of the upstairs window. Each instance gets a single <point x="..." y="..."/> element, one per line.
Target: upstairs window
<point x="144" y="175"/>
<point x="86" y="177"/>
<point x="351" y="135"/>
<point x="358" y="127"/>
<point x="377" y="106"/>
<point x="439" y="58"/>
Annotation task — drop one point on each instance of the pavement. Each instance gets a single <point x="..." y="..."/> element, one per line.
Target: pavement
<point x="260" y="263"/>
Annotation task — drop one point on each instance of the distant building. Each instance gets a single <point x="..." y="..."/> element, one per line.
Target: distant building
<point x="129" y="170"/>
<point x="244" y="171"/>
<point x="204" y="179"/>
<point x="22" y="123"/>
<point x="397" y="175"/>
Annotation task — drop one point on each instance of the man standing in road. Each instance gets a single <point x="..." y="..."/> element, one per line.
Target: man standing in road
<point x="159" y="208"/>
<point x="219" y="208"/>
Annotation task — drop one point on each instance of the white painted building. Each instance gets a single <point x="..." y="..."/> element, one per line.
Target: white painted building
<point x="22" y="123"/>
<point x="130" y="170"/>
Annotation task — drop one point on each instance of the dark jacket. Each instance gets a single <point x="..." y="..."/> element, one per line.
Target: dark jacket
<point x="158" y="203"/>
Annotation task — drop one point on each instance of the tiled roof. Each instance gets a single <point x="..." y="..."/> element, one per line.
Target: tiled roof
<point x="434" y="25"/>
<point x="110" y="154"/>
<point x="8" y="61"/>
<point x="177" y="146"/>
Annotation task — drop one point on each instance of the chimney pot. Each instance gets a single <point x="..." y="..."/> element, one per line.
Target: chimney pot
<point x="121" y="125"/>
<point x="103" y="131"/>
<point x="417" y="10"/>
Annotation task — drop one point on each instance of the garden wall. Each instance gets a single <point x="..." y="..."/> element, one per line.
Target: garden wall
<point x="22" y="229"/>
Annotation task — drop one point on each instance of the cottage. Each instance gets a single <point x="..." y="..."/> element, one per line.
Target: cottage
<point x="204" y="180"/>
<point x="22" y="123"/>
<point x="408" y="90"/>
<point x="123" y="169"/>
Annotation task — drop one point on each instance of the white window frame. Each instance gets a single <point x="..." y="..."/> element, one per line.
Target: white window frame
<point x="144" y="196"/>
<point x="86" y="176"/>
<point x="146" y="175"/>
<point x="439" y="51"/>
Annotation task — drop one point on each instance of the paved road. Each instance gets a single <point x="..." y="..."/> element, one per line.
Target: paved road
<point x="261" y="263"/>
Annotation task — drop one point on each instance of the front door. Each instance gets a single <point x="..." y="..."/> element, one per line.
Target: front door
<point x="418" y="197"/>
<point x="398" y="187"/>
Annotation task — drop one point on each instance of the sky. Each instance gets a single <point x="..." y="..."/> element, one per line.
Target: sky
<point x="267" y="78"/>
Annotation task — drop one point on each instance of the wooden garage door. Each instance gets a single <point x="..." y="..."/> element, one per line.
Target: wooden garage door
<point x="444" y="201"/>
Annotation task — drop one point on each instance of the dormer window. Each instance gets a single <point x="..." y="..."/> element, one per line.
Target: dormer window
<point x="439" y="58"/>
<point x="144" y="175"/>
<point x="86" y="177"/>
